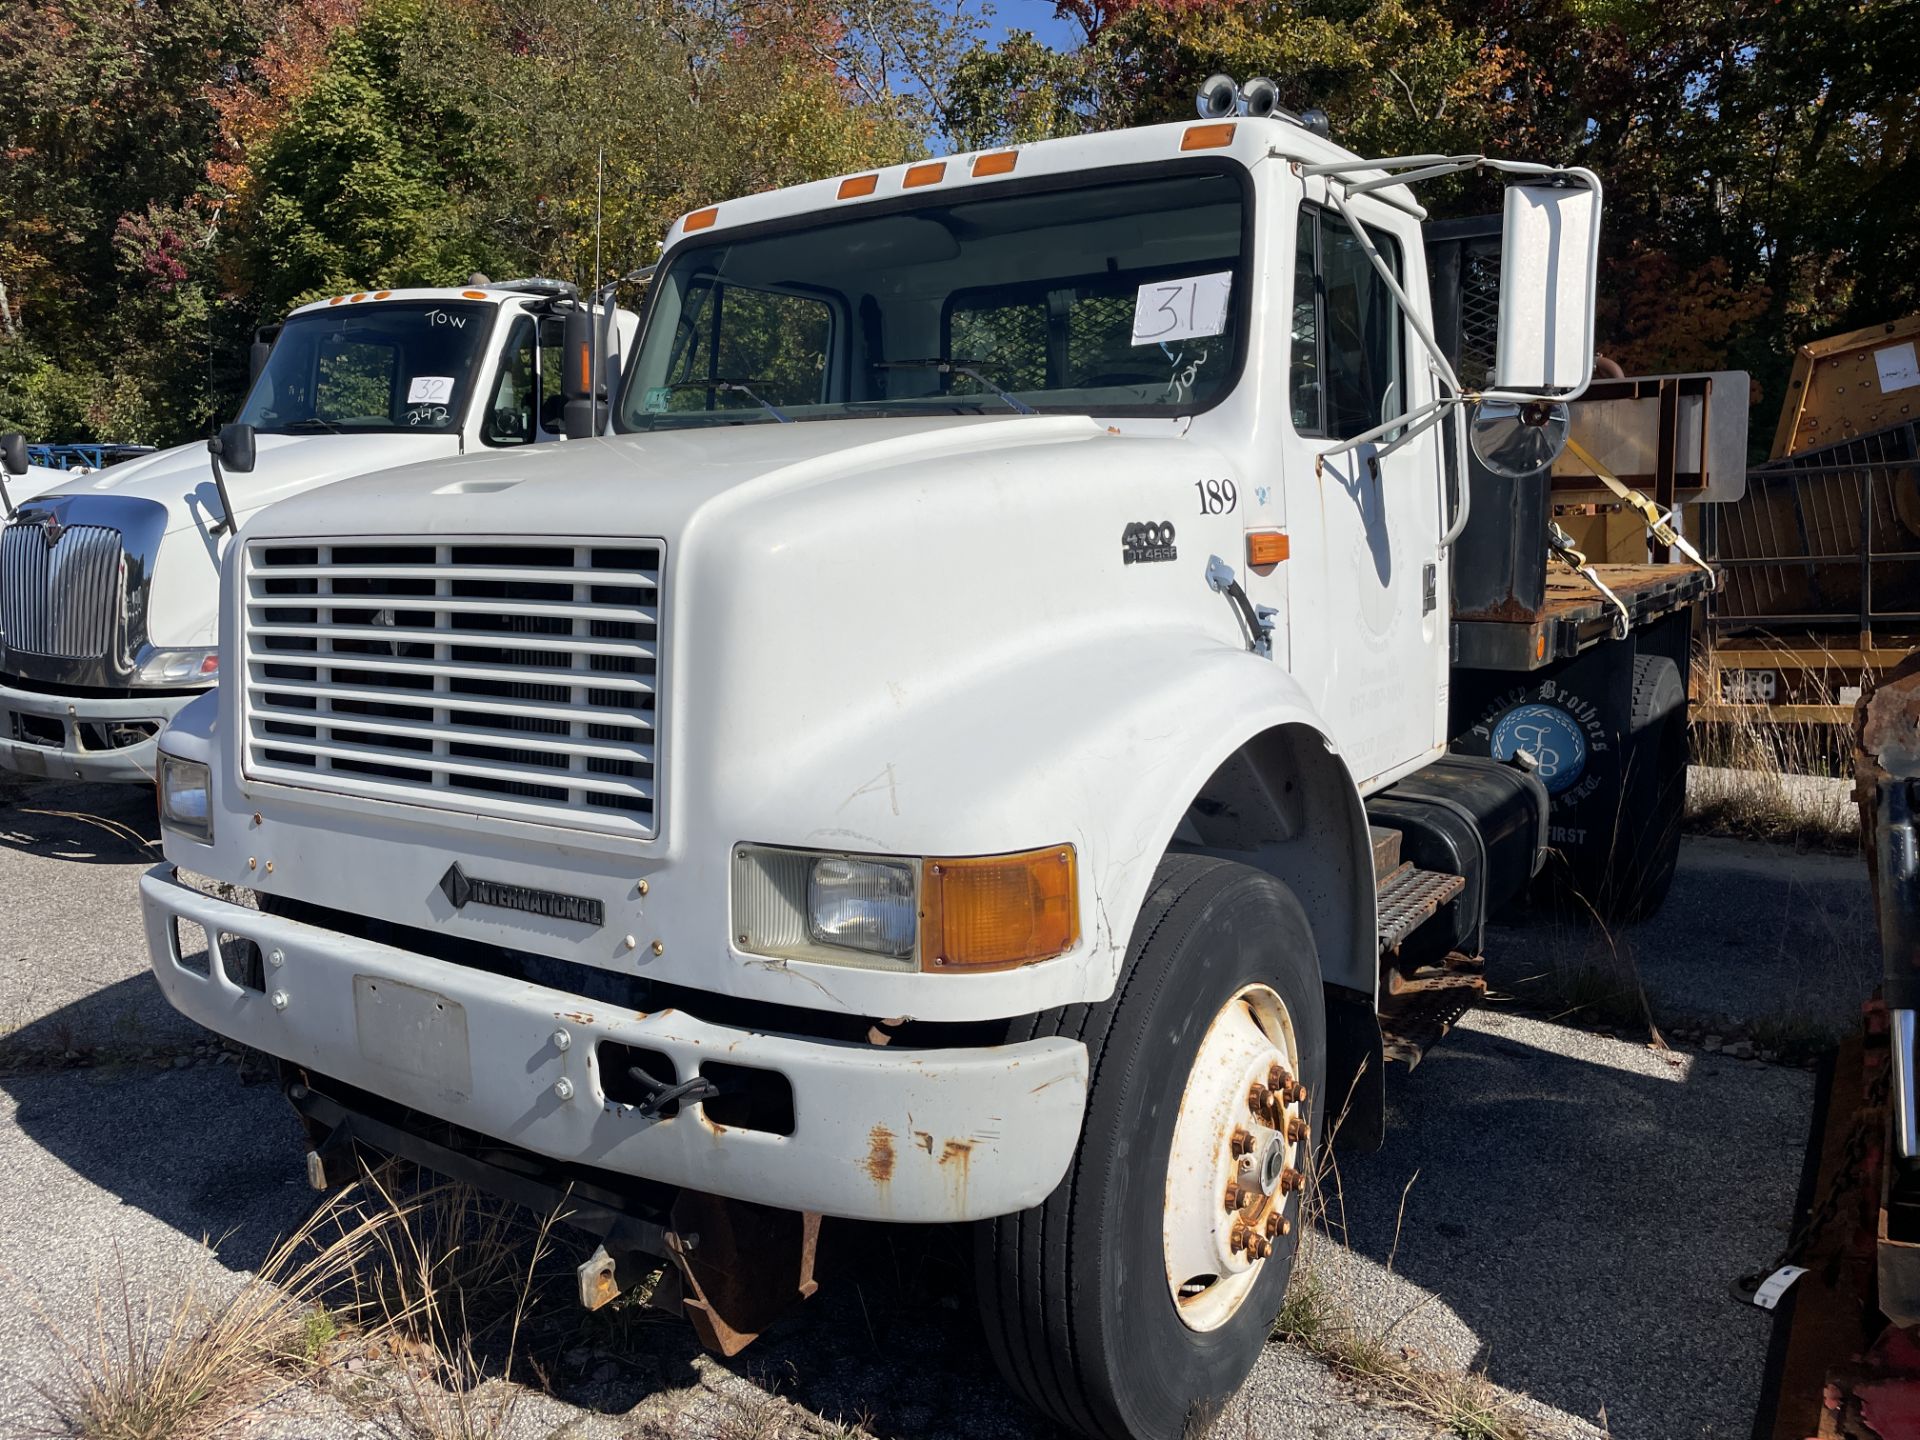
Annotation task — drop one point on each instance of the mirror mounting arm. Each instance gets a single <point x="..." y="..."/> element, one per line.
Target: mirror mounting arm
<point x="225" y="522"/>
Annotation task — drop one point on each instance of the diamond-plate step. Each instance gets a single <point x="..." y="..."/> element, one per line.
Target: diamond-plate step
<point x="1409" y="897"/>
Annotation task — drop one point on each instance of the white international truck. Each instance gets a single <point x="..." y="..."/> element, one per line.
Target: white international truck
<point x="109" y="580"/>
<point x="974" y="744"/>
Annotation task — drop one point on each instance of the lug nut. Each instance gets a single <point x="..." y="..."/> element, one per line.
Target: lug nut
<point x="1296" y="1128"/>
<point x="1239" y="1239"/>
<point x="1297" y="1092"/>
<point x="1240" y="1143"/>
<point x="1260" y="1247"/>
<point x="1273" y="1223"/>
<point x="1291" y="1180"/>
<point x="1258" y="1099"/>
<point x="1233" y="1196"/>
<point x="1286" y="1225"/>
<point x="1278" y="1079"/>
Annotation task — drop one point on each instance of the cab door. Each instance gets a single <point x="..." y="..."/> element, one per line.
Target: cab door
<point x="1368" y="629"/>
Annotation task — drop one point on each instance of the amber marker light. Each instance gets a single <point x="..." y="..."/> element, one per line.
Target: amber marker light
<point x="702" y="219"/>
<point x="474" y="294"/>
<point x="1266" y="548"/>
<point x="931" y="173"/>
<point x="854" y="186"/>
<point x="997" y="912"/>
<point x="381" y="294"/>
<point x="1000" y="162"/>
<point x="1207" y="137"/>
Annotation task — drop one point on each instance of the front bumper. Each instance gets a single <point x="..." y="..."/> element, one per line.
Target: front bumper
<point x="63" y="737"/>
<point x="878" y="1134"/>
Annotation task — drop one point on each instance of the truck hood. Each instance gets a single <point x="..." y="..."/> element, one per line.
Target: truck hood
<point x="182" y="479"/>
<point x="650" y="483"/>
<point x="39" y="480"/>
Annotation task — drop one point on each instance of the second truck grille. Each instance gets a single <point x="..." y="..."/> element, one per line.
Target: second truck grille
<point x="503" y="677"/>
<point x="59" y="598"/>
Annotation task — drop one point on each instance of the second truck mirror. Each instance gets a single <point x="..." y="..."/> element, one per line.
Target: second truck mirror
<point x="1549" y="259"/>
<point x="577" y="375"/>
<point x="237" y="448"/>
<point x="13" y="452"/>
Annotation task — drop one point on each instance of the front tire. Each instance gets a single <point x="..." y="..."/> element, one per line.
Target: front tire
<point x="1082" y="1309"/>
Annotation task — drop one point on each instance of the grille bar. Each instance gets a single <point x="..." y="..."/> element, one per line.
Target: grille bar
<point x="61" y="599"/>
<point x="505" y="676"/>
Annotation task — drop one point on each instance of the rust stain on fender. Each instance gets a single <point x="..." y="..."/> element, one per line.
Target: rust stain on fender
<point x="880" y="1154"/>
<point x="579" y="1017"/>
<point x="957" y="1152"/>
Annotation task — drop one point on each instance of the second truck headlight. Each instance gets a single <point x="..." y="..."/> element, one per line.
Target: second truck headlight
<point x="186" y="797"/>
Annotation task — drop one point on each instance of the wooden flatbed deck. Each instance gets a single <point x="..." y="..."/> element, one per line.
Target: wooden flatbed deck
<point x="1576" y="616"/>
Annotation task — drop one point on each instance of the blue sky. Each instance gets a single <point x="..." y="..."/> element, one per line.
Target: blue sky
<point x="1034" y="15"/>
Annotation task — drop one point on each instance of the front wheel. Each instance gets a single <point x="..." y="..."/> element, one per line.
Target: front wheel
<point x="1135" y="1299"/>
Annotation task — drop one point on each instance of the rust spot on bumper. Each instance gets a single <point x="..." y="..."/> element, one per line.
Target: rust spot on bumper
<point x="880" y="1154"/>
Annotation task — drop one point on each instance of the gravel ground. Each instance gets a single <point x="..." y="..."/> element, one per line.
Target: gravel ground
<point x="1576" y="1205"/>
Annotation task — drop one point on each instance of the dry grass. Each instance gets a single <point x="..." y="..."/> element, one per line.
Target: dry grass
<point x="178" y="1370"/>
<point x="1756" y="778"/>
<point x="1364" y="1351"/>
<point x="432" y="1283"/>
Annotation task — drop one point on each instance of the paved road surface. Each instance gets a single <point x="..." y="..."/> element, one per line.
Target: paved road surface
<point x="1575" y="1204"/>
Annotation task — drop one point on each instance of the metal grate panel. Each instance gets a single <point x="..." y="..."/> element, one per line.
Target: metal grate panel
<point x="506" y="677"/>
<point x="59" y="597"/>
<point x="1479" y="313"/>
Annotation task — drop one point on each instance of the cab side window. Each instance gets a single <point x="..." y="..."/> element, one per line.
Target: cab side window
<point x="510" y="412"/>
<point x="553" y="350"/>
<point x="1348" y="370"/>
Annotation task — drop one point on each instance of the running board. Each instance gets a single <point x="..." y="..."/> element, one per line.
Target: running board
<point x="1417" y="1011"/>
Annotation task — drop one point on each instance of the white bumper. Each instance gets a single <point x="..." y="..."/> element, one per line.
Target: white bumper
<point x="879" y="1133"/>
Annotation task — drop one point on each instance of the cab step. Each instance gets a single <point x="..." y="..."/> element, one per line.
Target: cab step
<point x="1417" y="1011"/>
<point x="1408" y="897"/>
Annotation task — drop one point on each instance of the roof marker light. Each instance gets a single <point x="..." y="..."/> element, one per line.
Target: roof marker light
<point x="854" y="186"/>
<point x="336" y="300"/>
<point x="356" y="299"/>
<point x="931" y="173"/>
<point x="1207" y="137"/>
<point x="381" y="294"/>
<point x="702" y="219"/>
<point x="1000" y="162"/>
<point x="474" y="294"/>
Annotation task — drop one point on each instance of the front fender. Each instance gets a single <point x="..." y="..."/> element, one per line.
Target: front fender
<point x="1103" y="744"/>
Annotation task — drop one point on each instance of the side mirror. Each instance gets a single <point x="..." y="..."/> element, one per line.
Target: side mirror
<point x="257" y="359"/>
<point x="13" y="461"/>
<point x="1549" y="264"/>
<point x="237" y="450"/>
<point x="577" y="375"/>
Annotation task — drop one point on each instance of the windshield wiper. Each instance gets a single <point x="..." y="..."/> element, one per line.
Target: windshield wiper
<point x="293" y="427"/>
<point x="969" y="368"/>
<point x="738" y="387"/>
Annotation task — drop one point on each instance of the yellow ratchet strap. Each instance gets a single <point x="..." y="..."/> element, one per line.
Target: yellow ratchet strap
<point x="1657" y="523"/>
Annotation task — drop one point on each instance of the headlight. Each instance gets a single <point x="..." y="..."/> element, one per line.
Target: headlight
<point x="186" y="797"/>
<point x="990" y="912"/>
<point x="179" y="667"/>
<point x="863" y="905"/>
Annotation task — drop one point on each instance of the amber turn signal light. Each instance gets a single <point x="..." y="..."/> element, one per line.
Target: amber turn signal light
<point x="1266" y="548"/>
<point x="1207" y="137"/>
<point x="997" y="912"/>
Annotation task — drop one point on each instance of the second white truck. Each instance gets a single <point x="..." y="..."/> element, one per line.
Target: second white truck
<point x="109" y="580"/>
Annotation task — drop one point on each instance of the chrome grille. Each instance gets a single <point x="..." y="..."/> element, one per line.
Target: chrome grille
<point x="59" y="599"/>
<point x="502" y="677"/>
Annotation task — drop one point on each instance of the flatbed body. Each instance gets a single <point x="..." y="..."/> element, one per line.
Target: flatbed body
<point x="1576" y="616"/>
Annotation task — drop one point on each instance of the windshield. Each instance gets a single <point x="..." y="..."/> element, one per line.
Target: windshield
<point x="392" y="366"/>
<point x="1122" y="297"/>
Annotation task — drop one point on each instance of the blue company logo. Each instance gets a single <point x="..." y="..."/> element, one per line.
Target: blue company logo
<point x="1550" y="735"/>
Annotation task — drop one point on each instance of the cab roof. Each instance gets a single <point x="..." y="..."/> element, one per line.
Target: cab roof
<point x="1245" y="139"/>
